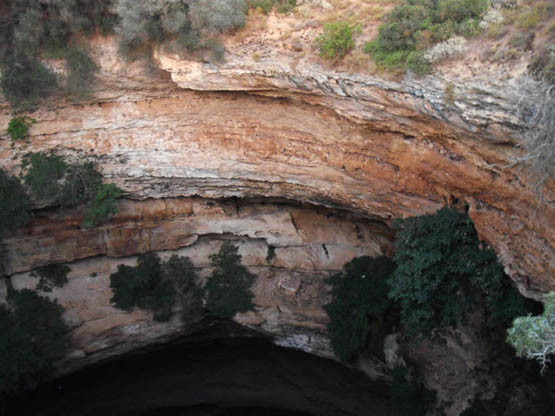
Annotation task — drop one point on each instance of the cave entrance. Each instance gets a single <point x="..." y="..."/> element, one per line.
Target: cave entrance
<point x="209" y="375"/>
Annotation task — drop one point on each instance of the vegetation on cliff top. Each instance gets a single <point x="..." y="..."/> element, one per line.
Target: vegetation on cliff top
<point x="29" y="28"/>
<point x="416" y="25"/>
<point x="179" y="26"/>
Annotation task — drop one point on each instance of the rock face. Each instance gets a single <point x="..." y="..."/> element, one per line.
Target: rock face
<point x="271" y="152"/>
<point x="290" y="250"/>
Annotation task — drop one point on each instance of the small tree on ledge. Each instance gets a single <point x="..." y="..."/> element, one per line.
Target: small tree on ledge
<point x="228" y="287"/>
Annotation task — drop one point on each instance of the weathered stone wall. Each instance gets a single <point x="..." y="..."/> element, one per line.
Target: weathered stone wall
<point x="278" y="129"/>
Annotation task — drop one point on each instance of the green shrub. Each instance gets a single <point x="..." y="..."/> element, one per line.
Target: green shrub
<point x="418" y="63"/>
<point x="43" y="174"/>
<point x="409" y="398"/>
<point x="460" y="10"/>
<point x="102" y="206"/>
<point x="154" y="286"/>
<point x="52" y="275"/>
<point x="26" y="81"/>
<point x="190" y="294"/>
<point x="533" y="337"/>
<point x="337" y="40"/>
<point x="180" y="26"/>
<point x="82" y="183"/>
<point x="416" y="25"/>
<point x="228" y="287"/>
<point x="29" y="28"/>
<point x="442" y="275"/>
<point x="14" y="204"/>
<point x="360" y="312"/>
<point x="218" y="15"/>
<point x="34" y="337"/>
<point x="52" y="180"/>
<point x="143" y="286"/>
<point x="19" y="127"/>
<point x="81" y="69"/>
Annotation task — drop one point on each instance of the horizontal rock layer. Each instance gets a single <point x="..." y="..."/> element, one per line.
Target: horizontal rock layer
<point x="280" y="129"/>
<point x="307" y="246"/>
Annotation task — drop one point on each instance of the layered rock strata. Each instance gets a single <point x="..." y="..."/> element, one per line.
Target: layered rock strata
<point x="280" y="128"/>
<point x="290" y="249"/>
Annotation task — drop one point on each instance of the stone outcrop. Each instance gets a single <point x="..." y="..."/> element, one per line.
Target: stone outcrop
<point x="308" y="142"/>
<point x="290" y="250"/>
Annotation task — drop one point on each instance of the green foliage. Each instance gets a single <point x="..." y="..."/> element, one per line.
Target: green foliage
<point x="228" y="287"/>
<point x="418" y="63"/>
<point x="181" y="26"/>
<point x="409" y="398"/>
<point x="25" y="81"/>
<point x="218" y="15"/>
<point x="19" y="127"/>
<point x="43" y="174"/>
<point x="52" y="275"/>
<point x="34" y="337"/>
<point x="51" y="179"/>
<point x="154" y="286"/>
<point x="82" y="183"/>
<point x="266" y="6"/>
<point x="81" y="69"/>
<point x="416" y="25"/>
<point x="14" y="204"/>
<point x="143" y="286"/>
<point x="360" y="312"/>
<point x="442" y="275"/>
<point x="29" y="27"/>
<point x="337" y="40"/>
<point x="102" y="206"/>
<point x="190" y="294"/>
<point x="533" y="337"/>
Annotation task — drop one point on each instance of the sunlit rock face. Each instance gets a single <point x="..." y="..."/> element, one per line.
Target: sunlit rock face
<point x="315" y="163"/>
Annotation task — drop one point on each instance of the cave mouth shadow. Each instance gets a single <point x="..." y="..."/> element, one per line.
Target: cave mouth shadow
<point x="218" y="371"/>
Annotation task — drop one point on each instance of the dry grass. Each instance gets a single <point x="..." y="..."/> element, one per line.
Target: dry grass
<point x="256" y="22"/>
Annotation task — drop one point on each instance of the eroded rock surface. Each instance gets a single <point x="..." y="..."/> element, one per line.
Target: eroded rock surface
<point x="307" y="244"/>
<point x="185" y="135"/>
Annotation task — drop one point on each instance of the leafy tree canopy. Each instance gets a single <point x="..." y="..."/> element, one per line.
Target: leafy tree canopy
<point x="143" y="286"/>
<point x="442" y="275"/>
<point x="228" y="287"/>
<point x="52" y="275"/>
<point x="155" y="285"/>
<point x="14" y="204"/>
<point x="34" y="337"/>
<point x="360" y="312"/>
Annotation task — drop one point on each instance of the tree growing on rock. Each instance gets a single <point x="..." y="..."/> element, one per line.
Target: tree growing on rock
<point x="360" y="312"/>
<point x="228" y="287"/>
<point x="533" y="337"/>
<point x="442" y="275"/>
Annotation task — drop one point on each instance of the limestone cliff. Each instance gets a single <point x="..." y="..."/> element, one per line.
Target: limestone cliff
<point x="274" y="151"/>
